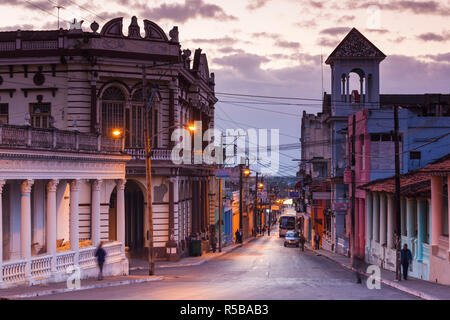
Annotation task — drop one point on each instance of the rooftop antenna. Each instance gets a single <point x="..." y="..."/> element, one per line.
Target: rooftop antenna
<point x="58" y="7"/>
<point x="321" y="67"/>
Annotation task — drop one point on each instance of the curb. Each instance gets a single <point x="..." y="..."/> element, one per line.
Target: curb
<point x="92" y="286"/>
<point x="389" y="283"/>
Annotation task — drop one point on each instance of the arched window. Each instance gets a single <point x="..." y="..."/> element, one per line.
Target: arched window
<point x="136" y="124"/>
<point x="113" y="114"/>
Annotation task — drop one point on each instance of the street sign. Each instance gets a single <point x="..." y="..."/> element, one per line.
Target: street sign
<point x="321" y="195"/>
<point x="223" y="173"/>
<point x="293" y="194"/>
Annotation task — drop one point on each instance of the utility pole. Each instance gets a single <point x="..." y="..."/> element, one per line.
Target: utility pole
<point x="398" y="228"/>
<point x="148" y="166"/>
<point x="241" y="196"/>
<point x="220" y="214"/>
<point x="352" y="217"/>
<point x="255" y="209"/>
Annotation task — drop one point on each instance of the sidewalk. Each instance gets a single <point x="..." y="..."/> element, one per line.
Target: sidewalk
<point x="416" y="287"/>
<point x="24" y="291"/>
<point x="137" y="264"/>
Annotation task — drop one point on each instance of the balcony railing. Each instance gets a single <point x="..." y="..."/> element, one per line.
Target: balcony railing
<point x="55" y="139"/>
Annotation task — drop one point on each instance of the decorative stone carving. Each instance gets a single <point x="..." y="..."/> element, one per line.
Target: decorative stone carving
<point x="159" y="192"/>
<point x="356" y="45"/>
<point x="2" y="184"/>
<point x="174" y="34"/>
<point x="94" y="26"/>
<point x="133" y="29"/>
<point x="96" y="184"/>
<point x="153" y="31"/>
<point x="75" y="185"/>
<point x="26" y="186"/>
<point x="75" y="25"/>
<point x="113" y="28"/>
<point x="39" y="77"/>
<point x="120" y="183"/>
<point x="52" y="185"/>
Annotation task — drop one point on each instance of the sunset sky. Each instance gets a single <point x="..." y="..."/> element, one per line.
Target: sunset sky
<point x="273" y="47"/>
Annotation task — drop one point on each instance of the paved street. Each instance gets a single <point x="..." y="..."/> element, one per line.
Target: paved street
<point x="263" y="269"/>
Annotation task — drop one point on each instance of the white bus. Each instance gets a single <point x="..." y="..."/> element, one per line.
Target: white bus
<point x="287" y="222"/>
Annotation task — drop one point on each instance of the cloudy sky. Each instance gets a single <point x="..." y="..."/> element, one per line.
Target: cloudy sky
<point x="274" y="47"/>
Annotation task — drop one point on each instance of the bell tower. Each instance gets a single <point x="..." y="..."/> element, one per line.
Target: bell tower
<point x="356" y="57"/>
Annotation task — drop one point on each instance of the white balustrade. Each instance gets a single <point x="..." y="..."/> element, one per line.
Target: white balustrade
<point x="41" y="266"/>
<point x="64" y="260"/>
<point x="113" y="251"/>
<point x="26" y="136"/>
<point x="14" y="271"/>
<point x="86" y="257"/>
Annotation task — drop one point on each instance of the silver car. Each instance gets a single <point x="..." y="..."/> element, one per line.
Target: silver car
<point x="292" y="238"/>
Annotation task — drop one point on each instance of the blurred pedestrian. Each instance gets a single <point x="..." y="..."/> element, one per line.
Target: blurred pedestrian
<point x="100" y="254"/>
<point x="213" y="240"/>
<point x="317" y="241"/>
<point x="406" y="259"/>
<point x="236" y="235"/>
<point x="302" y="241"/>
<point x="268" y="231"/>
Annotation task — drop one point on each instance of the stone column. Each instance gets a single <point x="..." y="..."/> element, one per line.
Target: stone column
<point x="25" y="224"/>
<point x="121" y="212"/>
<point x="448" y="206"/>
<point x="366" y="94"/>
<point x="422" y="222"/>
<point x="383" y="218"/>
<point x="362" y="237"/>
<point x="436" y="207"/>
<point x="390" y="221"/>
<point x="51" y="221"/>
<point x="403" y="215"/>
<point x="430" y="222"/>
<point x="95" y="212"/>
<point x="74" y="221"/>
<point x="410" y="213"/>
<point x="2" y="183"/>
<point x="376" y="216"/>
<point x="369" y="221"/>
<point x="348" y="89"/>
<point x="356" y="231"/>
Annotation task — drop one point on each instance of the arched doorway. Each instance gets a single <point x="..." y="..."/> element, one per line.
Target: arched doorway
<point x="134" y="218"/>
<point x="112" y="214"/>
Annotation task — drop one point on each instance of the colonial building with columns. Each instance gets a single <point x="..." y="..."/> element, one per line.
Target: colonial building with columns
<point x="67" y="183"/>
<point x="424" y="220"/>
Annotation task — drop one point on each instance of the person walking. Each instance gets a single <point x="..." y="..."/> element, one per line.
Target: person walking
<point x="317" y="241"/>
<point x="302" y="241"/>
<point x="236" y="234"/>
<point x="100" y="254"/>
<point x="213" y="240"/>
<point x="406" y="259"/>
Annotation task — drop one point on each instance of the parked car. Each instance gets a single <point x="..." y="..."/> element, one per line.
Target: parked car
<point x="292" y="238"/>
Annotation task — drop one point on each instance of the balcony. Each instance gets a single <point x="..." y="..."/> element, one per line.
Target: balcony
<point x="138" y="154"/>
<point x="28" y="137"/>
